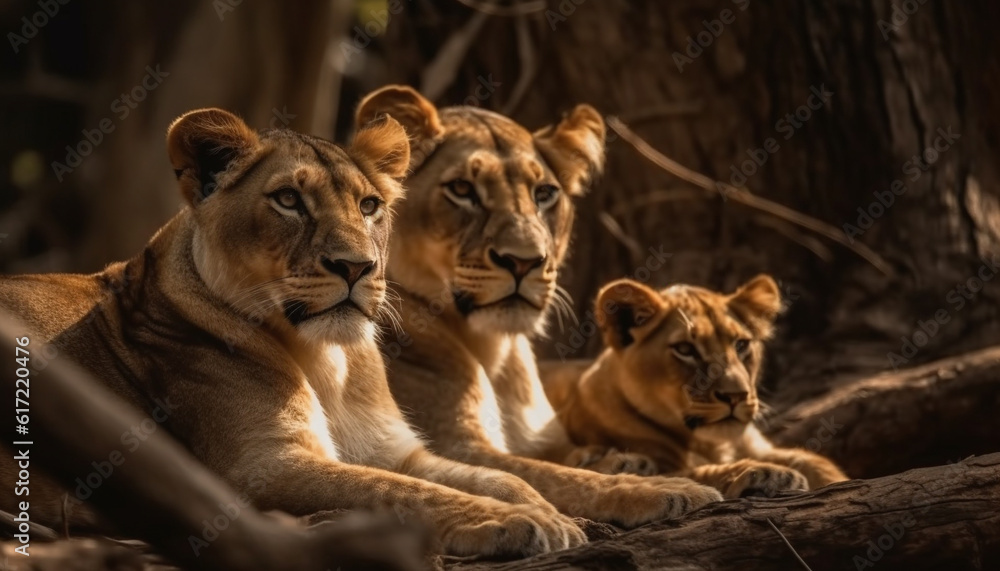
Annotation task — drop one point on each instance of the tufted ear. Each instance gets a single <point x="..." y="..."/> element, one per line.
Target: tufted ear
<point x="626" y="311"/>
<point x="574" y="148"/>
<point x="417" y="115"/>
<point x="203" y="144"/>
<point x="382" y="145"/>
<point x="757" y="303"/>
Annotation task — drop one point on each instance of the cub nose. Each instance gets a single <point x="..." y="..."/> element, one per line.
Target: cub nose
<point x="731" y="397"/>
<point x="350" y="271"/>
<point x="518" y="267"/>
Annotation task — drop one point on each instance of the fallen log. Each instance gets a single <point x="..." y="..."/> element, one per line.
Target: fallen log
<point x="943" y="517"/>
<point x="924" y="416"/>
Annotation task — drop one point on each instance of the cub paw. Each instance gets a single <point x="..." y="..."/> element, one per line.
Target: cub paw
<point x="764" y="479"/>
<point x="642" y="500"/>
<point x="496" y="529"/>
<point x="610" y="461"/>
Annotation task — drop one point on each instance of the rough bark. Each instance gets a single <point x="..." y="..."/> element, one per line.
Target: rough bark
<point x="925" y="416"/>
<point x="945" y="517"/>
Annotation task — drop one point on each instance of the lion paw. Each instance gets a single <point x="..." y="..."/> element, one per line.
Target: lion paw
<point x="765" y="479"/>
<point x="506" y="530"/>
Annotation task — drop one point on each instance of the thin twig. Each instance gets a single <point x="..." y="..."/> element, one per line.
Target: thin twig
<point x="529" y="66"/>
<point x="744" y="196"/>
<point x="518" y="9"/>
<point x="441" y="73"/>
<point x="785" y="539"/>
<point x="618" y="232"/>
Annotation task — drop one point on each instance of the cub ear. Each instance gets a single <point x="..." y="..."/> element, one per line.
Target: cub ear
<point x="625" y="312"/>
<point x="204" y="143"/>
<point x="417" y="115"/>
<point x="757" y="303"/>
<point x="574" y="148"/>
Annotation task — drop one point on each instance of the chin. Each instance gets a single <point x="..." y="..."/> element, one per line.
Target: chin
<point x="513" y="316"/>
<point x="722" y="431"/>
<point x="344" y="326"/>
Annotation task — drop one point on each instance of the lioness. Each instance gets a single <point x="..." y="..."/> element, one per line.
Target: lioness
<point x="678" y="382"/>
<point x="245" y="328"/>
<point x="474" y="258"/>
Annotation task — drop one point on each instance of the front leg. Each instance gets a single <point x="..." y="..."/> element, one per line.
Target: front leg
<point x="302" y="482"/>
<point x="819" y="470"/>
<point x="748" y="478"/>
<point x="625" y="500"/>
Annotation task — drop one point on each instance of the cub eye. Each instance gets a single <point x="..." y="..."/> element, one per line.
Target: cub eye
<point x="287" y="198"/>
<point x="461" y="191"/>
<point x="685" y="350"/>
<point x="546" y="195"/>
<point x="742" y="346"/>
<point x="370" y="206"/>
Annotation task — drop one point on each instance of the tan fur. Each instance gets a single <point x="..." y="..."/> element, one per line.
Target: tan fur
<point x="460" y="361"/>
<point x="690" y="414"/>
<point x="238" y="321"/>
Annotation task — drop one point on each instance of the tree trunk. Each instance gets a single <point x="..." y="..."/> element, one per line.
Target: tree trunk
<point x="896" y="87"/>
<point x="945" y="517"/>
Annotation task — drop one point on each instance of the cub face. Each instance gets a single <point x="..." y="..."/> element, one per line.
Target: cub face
<point x="488" y="214"/>
<point x="292" y="230"/>
<point x="690" y="352"/>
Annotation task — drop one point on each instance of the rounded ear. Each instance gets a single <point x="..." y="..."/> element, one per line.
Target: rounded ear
<point x="625" y="311"/>
<point x="574" y="148"/>
<point x="757" y="303"/>
<point x="204" y="143"/>
<point x="417" y="115"/>
<point x="382" y="146"/>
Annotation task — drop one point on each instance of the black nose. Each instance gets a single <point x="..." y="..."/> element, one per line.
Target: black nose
<point x="350" y="271"/>
<point x="518" y="267"/>
<point x="733" y="397"/>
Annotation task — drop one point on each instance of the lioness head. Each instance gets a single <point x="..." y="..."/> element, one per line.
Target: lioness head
<point x="690" y="351"/>
<point x="488" y="215"/>
<point x="292" y="230"/>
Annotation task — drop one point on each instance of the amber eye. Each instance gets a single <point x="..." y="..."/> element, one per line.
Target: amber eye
<point x="370" y="206"/>
<point x="461" y="191"/>
<point x="546" y="195"/>
<point x="685" y="350"/>
<point x="742" y="346"/>
<point x="287" y="198"/>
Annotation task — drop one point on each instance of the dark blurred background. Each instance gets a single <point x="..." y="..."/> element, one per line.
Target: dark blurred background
<point x="831" y="102"/>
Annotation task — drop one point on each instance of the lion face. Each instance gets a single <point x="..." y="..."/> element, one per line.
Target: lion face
<point x="291" y="230"/>
<point x="690" y="353"/>
<point x="487" y="219"/>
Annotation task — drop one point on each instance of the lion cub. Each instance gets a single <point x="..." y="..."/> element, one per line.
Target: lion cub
<point x="678" y="383"/>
